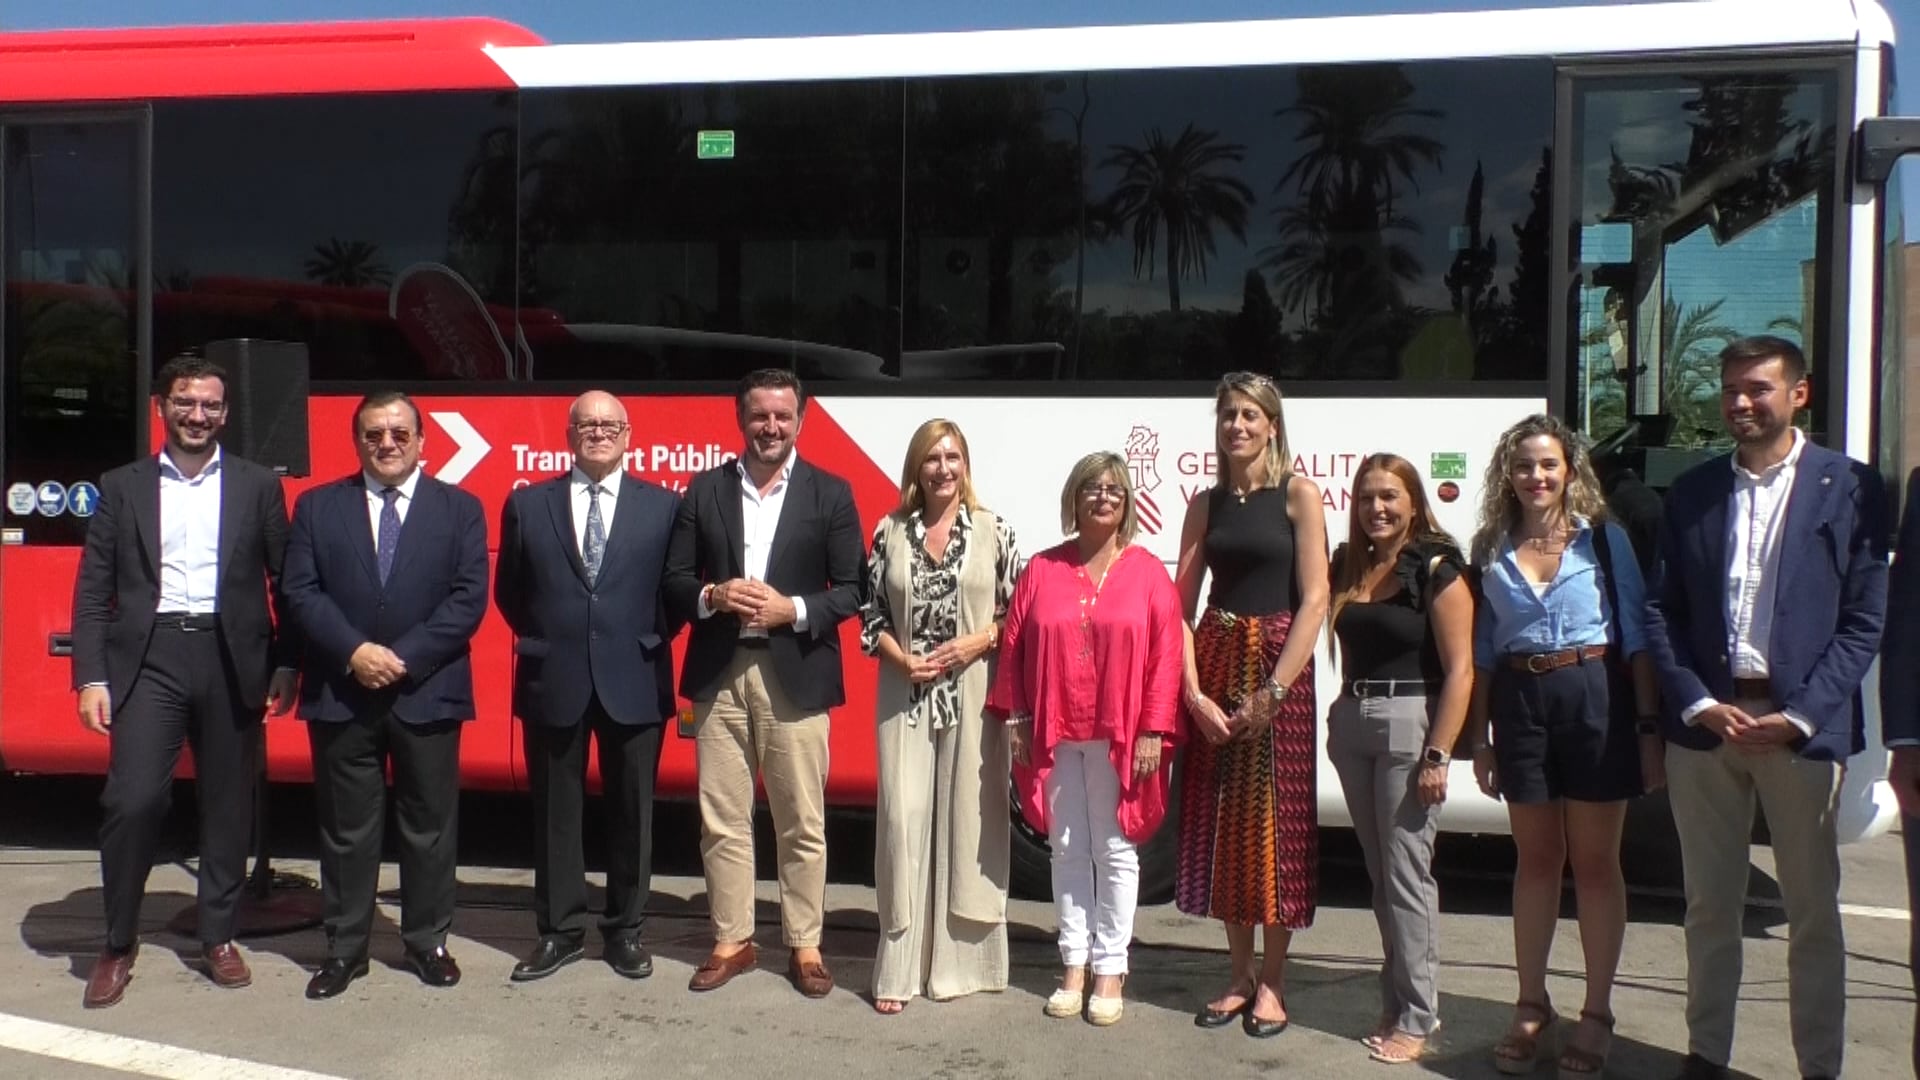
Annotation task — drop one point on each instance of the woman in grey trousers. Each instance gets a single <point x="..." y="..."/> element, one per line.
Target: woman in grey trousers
<point x="1402" y="620"/>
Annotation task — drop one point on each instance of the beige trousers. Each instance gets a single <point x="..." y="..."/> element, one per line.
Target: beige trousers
<point x="749" y="728"/>
<point x="1712" y="794"/>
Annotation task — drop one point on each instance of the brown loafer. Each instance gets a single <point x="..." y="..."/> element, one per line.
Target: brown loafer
<point x="225" y="966"/>
<point x="810" y="978"/>
<point x="719" y="970"/>
<point x="108" y="980"/>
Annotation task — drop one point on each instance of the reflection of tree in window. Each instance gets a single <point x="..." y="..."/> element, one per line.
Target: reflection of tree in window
<point x="1337" y="260"/>
<point x="349" y="264"/>
<point x="1182" y="189"/>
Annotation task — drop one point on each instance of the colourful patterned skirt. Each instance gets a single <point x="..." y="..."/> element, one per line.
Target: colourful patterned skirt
<point x="1249" y="825"/>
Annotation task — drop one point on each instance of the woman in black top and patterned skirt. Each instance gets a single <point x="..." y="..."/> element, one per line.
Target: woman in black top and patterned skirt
<point x="1249" y="831"/>
<point x="1403" y="626"/>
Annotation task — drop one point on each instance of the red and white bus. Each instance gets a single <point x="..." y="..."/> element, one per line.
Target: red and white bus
<point x="1424" y="225"/>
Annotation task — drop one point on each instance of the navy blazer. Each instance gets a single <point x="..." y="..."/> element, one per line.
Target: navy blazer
<point x="1900" y="652"/>
<point x="426" y="613"/>
<point x="577" y="639"/>
<point x="817" y="555"/>
<point x="1829" y="602"/>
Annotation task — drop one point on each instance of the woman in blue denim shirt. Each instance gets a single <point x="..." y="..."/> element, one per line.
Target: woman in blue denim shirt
<point x="1556" y="744"/>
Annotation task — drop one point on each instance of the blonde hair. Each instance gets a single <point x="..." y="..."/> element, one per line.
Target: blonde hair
<point x="918" y="447"/>
<point x="1277" y="462"/>
<point x="1091" y="469"/>
<point x="1500" y="508"/>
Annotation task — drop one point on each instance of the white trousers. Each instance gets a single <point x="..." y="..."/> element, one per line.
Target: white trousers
<point x="1096" y="869"/>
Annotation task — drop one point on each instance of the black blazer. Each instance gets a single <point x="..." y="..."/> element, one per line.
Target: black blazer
<point x="1828" y="606"/>
<point x="817" y="557"/>
<point x="427" y="612"/>
<point x="118" y="589"/>
<point x="612" y="638"/>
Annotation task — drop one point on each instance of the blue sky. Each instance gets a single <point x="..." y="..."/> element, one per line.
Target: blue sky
<point x="636" y="20"/>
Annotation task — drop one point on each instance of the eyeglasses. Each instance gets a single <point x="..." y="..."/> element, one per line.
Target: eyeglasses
<point x="376" y="436"/>
<point x="1100" y="492"/>
<point x="1253" y="377"/>
<point x="591" y="428"/>
<point x="186" y="406"/>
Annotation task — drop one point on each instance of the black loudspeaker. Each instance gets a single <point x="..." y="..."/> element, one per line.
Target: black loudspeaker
<point x="266" y="402"/>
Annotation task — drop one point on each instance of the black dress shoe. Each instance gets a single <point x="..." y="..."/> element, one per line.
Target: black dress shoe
<point x="626" y="956"/>
<point x="552" y="953"/>
<point x="333" y="978"/>
<point x="1695" y="1067"/>
<point x="435" y="968"/>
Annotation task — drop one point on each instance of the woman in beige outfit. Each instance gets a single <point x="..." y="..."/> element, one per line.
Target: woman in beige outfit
<point x="938" y="581"/>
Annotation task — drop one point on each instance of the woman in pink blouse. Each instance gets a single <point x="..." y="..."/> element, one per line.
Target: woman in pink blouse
<point x="1089" y="680"/>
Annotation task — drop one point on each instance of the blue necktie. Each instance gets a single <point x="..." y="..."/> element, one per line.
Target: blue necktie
<point x="594" y="546"/>
<point x="389" y="530"/>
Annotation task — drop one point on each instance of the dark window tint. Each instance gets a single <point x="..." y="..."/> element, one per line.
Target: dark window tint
<point x="702" y="232"/>
<point x="71" y="271"/>
<point x="1333" y="222"/>
<point x="375" y="229"/>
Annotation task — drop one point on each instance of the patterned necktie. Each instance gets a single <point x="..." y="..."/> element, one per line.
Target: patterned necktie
<point x="389" y="530"/>
<point x="594" y="546"/>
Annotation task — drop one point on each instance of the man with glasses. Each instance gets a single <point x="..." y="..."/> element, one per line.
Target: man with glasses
<point x="582" y="560"/>
<point x="173" y="643"/>
<point x="387" y="582"/>
<point x="766" y="562"/>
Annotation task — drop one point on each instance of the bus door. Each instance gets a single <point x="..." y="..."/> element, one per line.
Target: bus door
<point x="74" y="302"/>
<point x="1696" y="203"/>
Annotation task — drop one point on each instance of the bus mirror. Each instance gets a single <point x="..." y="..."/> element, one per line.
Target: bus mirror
<point x="1883" y="140"/>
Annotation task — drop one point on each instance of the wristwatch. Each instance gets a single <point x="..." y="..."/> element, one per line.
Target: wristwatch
<point x="1433" y="755"/>
<point x="1276" y="688"/>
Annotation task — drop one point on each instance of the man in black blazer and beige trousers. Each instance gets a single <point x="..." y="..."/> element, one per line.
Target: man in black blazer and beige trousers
<point x="387" y="582"/>
<point x="581" y="580"/>
<point x="766" y="563"/>
<point x="173" y="642"/>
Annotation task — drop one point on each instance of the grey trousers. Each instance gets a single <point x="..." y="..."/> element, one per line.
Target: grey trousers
<point x="1375" y="746"/>
<point x="1910" y="835"/>
<point x="1712" y="793"/>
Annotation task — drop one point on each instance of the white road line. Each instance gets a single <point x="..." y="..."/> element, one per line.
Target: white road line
<point x="138" y="1056"/>
<point x="1865" y="911"/>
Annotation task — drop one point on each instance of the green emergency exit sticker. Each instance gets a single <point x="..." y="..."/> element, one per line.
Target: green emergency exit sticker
<point x="713" y="145"/>
<point x="1449" y="467"/>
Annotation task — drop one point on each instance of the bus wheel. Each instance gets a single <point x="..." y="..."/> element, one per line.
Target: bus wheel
<point x="1031" y="860"/>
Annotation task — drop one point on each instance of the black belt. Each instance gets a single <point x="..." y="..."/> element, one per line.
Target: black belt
<point x="180" y="620"/>
<point x="754" y="642"/>
<point x="1389" y="688"/>
<point x="1753" y="689"/>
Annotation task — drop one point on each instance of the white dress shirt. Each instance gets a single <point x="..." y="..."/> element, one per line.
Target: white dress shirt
<point x="374" y="486"/>
<point x="190" y="537"/>
<point x="1755" y="518"/>
<point x="759" y="518"/>
<point x="609" y="498"/>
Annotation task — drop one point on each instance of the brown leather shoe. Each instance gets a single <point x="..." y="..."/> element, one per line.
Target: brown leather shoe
<point x="108" y="980"/>
<point x="810" y="978"/>
<point x="225" y="966"/>
<point x="720" y="970"/>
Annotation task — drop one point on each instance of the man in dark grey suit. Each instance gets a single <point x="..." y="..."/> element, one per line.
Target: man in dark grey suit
<point x="766" y="562"/>
<point x="1900" y="712"/>
<point x="387" y="582"/>
<point x="173" y="643"/>
<point x="582" y="563"/>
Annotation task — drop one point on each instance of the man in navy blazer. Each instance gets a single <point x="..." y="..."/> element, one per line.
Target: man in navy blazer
<point x="1900" y="709"/>
<point x="1764" y="618"/>
<point x="582" y="563"/>
<point x="386" y="579"/>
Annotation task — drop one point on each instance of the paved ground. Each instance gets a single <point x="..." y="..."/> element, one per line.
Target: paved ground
<point x="586" y="1022"/>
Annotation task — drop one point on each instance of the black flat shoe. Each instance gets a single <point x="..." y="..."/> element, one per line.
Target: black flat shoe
<point x="549" y="955"/>
<point x="435" y="968"/>
<point x="334" y="977"/>
<point x="1210" y="1017"/>
<point x="626" y="956"/>
<point x="1258" y="1028"/>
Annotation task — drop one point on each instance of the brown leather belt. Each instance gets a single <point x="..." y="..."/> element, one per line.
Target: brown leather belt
<point x="1542" y="662"/>
<point x="1753" y="689"/>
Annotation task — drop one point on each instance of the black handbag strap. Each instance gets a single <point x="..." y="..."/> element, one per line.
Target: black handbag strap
<point x="1603" y="551"/>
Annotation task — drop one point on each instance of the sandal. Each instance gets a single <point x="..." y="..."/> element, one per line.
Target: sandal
<point x="1580" y="1063"/>
<point x="1381" y="1032"/>
<point x="1210" y="1017"/>
<point x="1518" y="1052"/>
<point x="889" y="1006"/>
<point x="1064" y="1003"/>
<point x="1399" y="1048"/>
